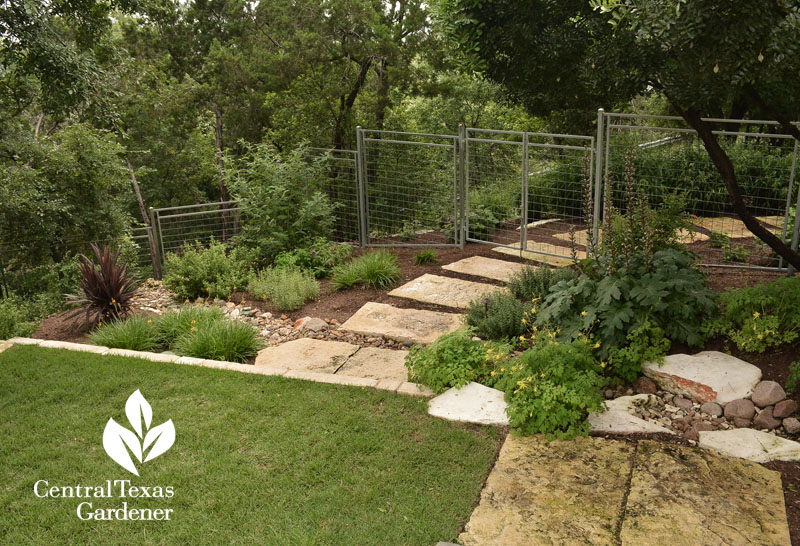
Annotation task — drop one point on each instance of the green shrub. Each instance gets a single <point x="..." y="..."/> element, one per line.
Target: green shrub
<point x="552" y="387"/>
<point x="534" y="283"/>
<point x="425" y="257"/>
<point x="498" y="315"/>
<point x="454" y="360"/>
<point x="759" y="317"/>
<point x="282" y="194"/>
<point x="13" y="320"/>
<point x="482" y="222"/>
<point x="608" y="304"/>
<point x="644" y="344"/>
<point x="173" y="325"/>
<point x="794" y="377"/>
<point x="377" y="269"/>
<point x="136" y="333"/>
<point x="320" y="257"/>
<point x="209" y="272"/>
<point x="227" y="340"/>
<point x="719" y="239"/>
<point x="286" y="288"/>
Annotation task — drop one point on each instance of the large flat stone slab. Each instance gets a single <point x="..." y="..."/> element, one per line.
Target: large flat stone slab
<point x="708" y="376"/>
<point x="479" y="266"/>
<point x="619" y="418"/>
<point x="680" y="495"/>
<point x="306" y="354"/>
<point x="472" y="403"/>
<point x="750" y="444"/>
<point x="559" y="492"/>
<point x="378" y="364"/>
<point x="443" y="291"/>
<point x="684" y="236"/>
<point x="540" y="252"/>
<point x="733" y="227"/>
<point x="411" y="325"/>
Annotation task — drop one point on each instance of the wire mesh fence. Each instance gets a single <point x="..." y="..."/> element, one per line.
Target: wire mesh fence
<point x="341" y="187"/>
<point x="195" y="225"/>
<point x="664" y="157"/>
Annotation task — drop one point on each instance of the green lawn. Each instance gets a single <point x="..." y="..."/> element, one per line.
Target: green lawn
<point x="256" y="460"/>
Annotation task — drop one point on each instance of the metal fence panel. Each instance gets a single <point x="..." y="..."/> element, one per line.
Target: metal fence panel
<point x="341" y="188"/>
<point x="663" y="156"/>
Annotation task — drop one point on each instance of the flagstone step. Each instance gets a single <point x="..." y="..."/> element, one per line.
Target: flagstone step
<point x="608" y="492"/>
<point x="443" y="291"/>
<point x="479" y="266"/>
<point x="684" y="237"/>
<point x="307" y="354"/>
<point x="374" y="363"/>
<point x="540" y="252"/>
<point x="406" y="325"/>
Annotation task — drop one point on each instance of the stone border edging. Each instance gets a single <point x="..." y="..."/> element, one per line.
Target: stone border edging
<point x="400" y="387"/>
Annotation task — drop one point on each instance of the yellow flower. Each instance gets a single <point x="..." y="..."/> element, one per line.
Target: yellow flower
<point x="583" y="313"/>
<point x="113" y="300"/>
<point x="187" y="300"/>
<point x="760" y="336"/>
<point x="192" y="328"/>
<point x="522" y="338"/>
<point x="494" y="373"/>
<point x="597" y="345"/>
<point x="602" y="364"/>
<point x="756" y="314"/>
<point x="524" y="321"/>
<point x="193" y="321"/>
<point x="149" y="321"/>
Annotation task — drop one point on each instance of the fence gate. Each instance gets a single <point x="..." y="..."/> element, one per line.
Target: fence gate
<point x="531" y="191"/>
<point x="409" y="188"/>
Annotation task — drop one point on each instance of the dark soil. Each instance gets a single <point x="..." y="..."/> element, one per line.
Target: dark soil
<point x="64" y="326"/>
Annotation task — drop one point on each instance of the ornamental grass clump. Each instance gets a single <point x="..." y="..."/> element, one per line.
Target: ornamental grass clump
<point x="136" y="333"/>
<point x="227" y="340"/>
<point x="175" y="324"/>
<point x="376" y="269"/>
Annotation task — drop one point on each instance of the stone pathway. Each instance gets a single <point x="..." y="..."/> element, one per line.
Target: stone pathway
<point x="532" y="253"/>
<point x="598" y="491"/>
<point x="405" y="325"/>
<point x="443" y="291"/>
<point x="478" y="266"/>
<point x="684" y="236"/>
<point x="733" y="227"/>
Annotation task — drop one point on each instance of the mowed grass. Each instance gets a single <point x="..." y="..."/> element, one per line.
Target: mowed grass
<point x="256" y="460"/>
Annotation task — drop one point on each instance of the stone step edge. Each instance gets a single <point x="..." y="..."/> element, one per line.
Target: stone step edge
<point x="400" y="387"/>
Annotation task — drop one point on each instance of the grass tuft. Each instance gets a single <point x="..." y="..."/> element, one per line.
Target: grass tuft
<point x="173" y="325"/>
<point x="286" y="288"/>
<point x="377" y="269"/>
<point x="224" y="340"/>
<point x="426" y="257"/>
<point x="136" y="333"/>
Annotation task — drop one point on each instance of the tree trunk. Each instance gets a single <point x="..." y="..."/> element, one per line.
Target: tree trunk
<point x="223" y="192"/>
<point x="725" y="168"/>
<point x="384" y="101"/>
<point x="138" y="193"/>
<point x="151" y="239"/>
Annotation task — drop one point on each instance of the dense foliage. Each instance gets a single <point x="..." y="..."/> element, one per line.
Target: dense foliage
<point x="107" y="287"/>
<point x="376" y="269"/>
<point x="534" y="283"/>
<point x="209" y="272"/>
<point x="498" y="315"/>
<point x="287" y="288"/>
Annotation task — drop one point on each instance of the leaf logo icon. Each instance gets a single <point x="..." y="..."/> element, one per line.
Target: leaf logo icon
<point x="120" y="443"/>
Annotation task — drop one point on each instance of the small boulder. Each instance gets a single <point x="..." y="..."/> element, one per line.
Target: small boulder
<point x="645" y="385"/>
<point x="766" y="420"/>
<point x="311" y="324"/>
<point x="767" y="393"/>
<point x="741" y="409"/>
<point x="784" y="408"/>
<point x="711" y="408"/>
<point x="691" y="434"/>
<point x="791" y="425"/>
<point x="741" y="422"/>
<point x="683" y="403"/>
<point x="701" y="426"/>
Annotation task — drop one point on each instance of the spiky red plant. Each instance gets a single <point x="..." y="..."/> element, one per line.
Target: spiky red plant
<point x="107" y="288"/>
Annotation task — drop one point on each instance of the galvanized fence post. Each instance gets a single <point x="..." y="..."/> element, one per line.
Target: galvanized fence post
<point x="523" y="228"/>
<point x="462" y="183"/>
<point x="598" y="179"/>
<point x="796" y="233"/>
<point x="361" y="184"/>
<point x="790" y="269"/>
<point x="155" y="256"/>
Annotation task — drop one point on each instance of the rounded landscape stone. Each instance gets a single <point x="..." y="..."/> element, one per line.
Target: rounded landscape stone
<point x="767" y="393"/>
<point x="711" y="408"/>
<point x="766" y="420"/>
<point x="645" y="385"/>
<point x="740" y="409"/>
<point x="791" y="425"/>
<point x="683" y="403"/>
<point x="784" y="408"/>
<point x="741" y="422"/>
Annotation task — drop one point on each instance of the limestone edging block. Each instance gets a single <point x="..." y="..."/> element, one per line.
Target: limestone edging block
<point x="444" y="291"/>
<point x="480" y="266"/>
<point x="540" y="252"/>
<point x="682" y="495"/>
<point x="751" y="444"/>
<point x="708" y="376"/>
<point x="557" y="492"/>
<point x="472" y="403"/>
<point x="405" y="325"/>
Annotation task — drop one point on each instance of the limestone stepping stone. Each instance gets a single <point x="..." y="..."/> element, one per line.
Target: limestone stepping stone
<point x="751" y="444"/>
<point x="375" y="363"/>
<point x="443" y="291"/>
<point x="472" y="403"/>
<point x="680" y="495"/>
<point x="684" y="236"/>
<point x="619" y="419"/>
<point x="733" y="227"/>
<point x="559" y="492"/>
<point x="406" y="325"/>
<point x="708" y="376"/>
<point x="478" y="266"/>
<point x="533" y="250"/>
<point x="537" y="223"/>
<point x="306" y="354"/>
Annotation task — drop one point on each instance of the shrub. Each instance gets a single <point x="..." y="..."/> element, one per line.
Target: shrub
<point x="13" y="320"/>
<point x="759" y="317"/>
<point x="228" y="340"/>
<point x="454" y="360"/>
<point x="173" y="325"/>
<point x="283" y="199"/>
<point x="320" y="257"/>
<point x="644" y="344"/>
<point x="719" y="239"/>
<point x="425" y="257"/>
<point x="376" y="269"/>
<point x="608" y="304"/>
<point x="794" y="377"/>
<point x="107" y="288"/>
<point x="482" y="222"/>
<point x="287" y="288"/>
<point x="498" y="315"/>
<point x="534" y="283"/>
<point x="198" y="271"/>
<point x="552" y="387"/>
<point x="136" y="333"/>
